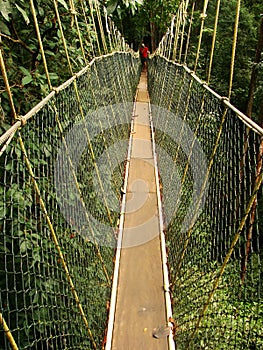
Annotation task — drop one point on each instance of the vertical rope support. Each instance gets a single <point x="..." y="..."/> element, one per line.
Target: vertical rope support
<point x="184" y="177"/>
<point x="119" y="40"/>
<point x="87" y="27"/>
<point x="65" y="145"/>
<point x="40" y="43"/>
<point x="63" y="36"/>
<point x="55" y="240"/>
<point x="94" y="25"/>
<point x="74" y="14"/>
<point x="185" y="7"/>
<point x="101" y="27"/>
<point x="234" y="48"/>
<point x="202" y="16"/>
<point x="7" y="86"/>
<point x="112" y="30"/>
<point x="81" y="198"/>
<point x="191" y="226"/>
<point x="189" y="33"/>
<point x="8" y="334"/>
<point x="257" y="185"/>
<point x="171" y="37"/>
<point x="63" y="139"/>
<point x="213" y="42"/>
<point x="107" y="28"/>
<point x="92" y="152"/>
<point x="249" y="233"/>
<point x="160" y="47"/>
<point x="166" y="45"/>
<point x="94" y="161"/>
<point x="176" y="39"/>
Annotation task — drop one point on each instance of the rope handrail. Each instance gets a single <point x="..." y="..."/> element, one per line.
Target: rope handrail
<point x="215" y="234"/>
<point x="247" y="120"/>
<point x="55" y="90"/>
<point x="18" y="136"/>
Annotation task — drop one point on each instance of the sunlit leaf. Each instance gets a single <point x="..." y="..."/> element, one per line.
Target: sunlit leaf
<point x="111" y="7"/>
<point x="24" y="70"/>
<point x="26" y="80"/>
<point x="24" y="14"/>
<point x="63" y="3"/>
<point x="5" y="9"/>
<point x="4" y="29"/>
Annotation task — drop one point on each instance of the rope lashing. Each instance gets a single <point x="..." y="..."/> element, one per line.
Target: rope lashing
<point x="8" y="334"/>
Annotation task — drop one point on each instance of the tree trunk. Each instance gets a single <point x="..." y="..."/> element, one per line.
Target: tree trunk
<point x="252" y="88"/>
<point x="254" y="73"/>
<point x="153" y="35"/>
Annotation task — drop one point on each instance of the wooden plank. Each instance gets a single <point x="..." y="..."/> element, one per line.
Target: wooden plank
<point x="140" y="306"/>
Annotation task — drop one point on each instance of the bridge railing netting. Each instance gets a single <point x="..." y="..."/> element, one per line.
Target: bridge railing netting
<point x="210" y="168"/>
<point x="58" y="232"/>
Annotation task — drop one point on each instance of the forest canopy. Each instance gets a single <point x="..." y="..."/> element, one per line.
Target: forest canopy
<point x="152" y="18"/>
<point x="137" y="20"/>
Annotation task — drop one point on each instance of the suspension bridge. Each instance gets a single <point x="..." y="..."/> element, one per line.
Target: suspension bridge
<point x="131" y="202"/>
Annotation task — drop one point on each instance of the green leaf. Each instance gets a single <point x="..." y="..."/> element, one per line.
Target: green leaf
<point x="6" y="9"/>
<point x="24" y="246"/>
<point x="26" y="80"/>
<point x="112" y="6"/>
<point x="24" y="70"/>
<point x="50" y="53"/>
<point x="9" y="166"/>
<point x="4" y="29"/>
<point x="63" y="3"/>
<point x="24" y="14"/>
<point x="41" y="11"/>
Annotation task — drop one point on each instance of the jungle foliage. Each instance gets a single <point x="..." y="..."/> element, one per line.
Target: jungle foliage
<point x="138" y="20"/>
<point x="22" y="55"/>
<point x="153" y="17"/>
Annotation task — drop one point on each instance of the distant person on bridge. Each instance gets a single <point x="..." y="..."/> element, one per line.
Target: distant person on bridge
<point x="144" y="52"/>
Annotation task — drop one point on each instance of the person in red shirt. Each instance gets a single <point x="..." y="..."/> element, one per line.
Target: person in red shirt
<point x="144" y="51"/>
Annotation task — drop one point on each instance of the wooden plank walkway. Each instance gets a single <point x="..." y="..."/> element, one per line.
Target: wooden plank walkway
<point x="140" y="302"/>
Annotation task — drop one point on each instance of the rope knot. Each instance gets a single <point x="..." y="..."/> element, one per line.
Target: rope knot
<point x="56" y="90"/>
<point x="224" y="98"/>
<point x="73" y="12"/>
<point x="22" y="120"/>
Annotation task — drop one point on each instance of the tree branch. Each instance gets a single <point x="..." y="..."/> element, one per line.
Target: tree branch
<point x="19" y="41"/>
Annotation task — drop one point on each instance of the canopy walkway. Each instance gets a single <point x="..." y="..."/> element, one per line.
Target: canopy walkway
<point x="140" y="299"/>
<point x="131" y="203"/>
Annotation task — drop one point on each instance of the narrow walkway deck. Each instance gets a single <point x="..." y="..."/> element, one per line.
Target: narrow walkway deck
<point x="140" y="306"/>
